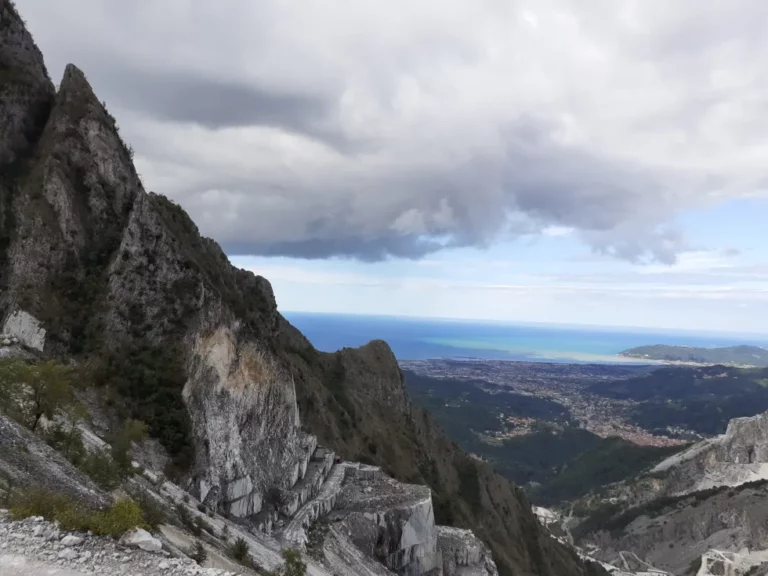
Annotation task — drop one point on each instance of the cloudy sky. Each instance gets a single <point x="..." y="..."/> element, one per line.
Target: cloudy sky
<point x="577" y="161"/>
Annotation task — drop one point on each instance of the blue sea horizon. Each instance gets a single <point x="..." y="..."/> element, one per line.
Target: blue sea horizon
<point x="424" y="338"/>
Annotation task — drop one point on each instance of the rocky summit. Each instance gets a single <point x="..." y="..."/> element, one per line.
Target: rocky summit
<point x="255" y="434"/>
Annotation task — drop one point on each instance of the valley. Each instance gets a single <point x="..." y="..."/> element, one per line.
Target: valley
<point x="569" y="387"/>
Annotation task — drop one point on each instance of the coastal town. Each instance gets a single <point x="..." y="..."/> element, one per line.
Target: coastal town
<point x="565" y="384"/>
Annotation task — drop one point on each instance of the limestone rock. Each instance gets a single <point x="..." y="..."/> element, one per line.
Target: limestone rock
<point x="26" y="92"/>
<point x="146" y="278"/>
<point x="139" y="538"/>
<point x="67" y="554"/>
<point x="461" y="548"/>
<point x="71" y="540"/>
<point x="24" y="328"/>
<point x="28" y="461"/>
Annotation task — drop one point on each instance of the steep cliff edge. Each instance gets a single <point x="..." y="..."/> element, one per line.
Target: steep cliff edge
<point x="121" y="280"/>
<point x="705" y="506"/>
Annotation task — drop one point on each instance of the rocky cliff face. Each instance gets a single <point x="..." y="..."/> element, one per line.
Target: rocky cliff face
<point x="120" y="279"/>
<point x="736" y="457"/>
<point x="703" y="507"/>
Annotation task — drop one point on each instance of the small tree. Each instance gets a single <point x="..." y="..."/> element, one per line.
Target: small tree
<point x="239" y="551"/>
<point x="132" y="431"/>
<point x="293" y="565"/>
<point x="34" y="390"/>
<point x="198" y="553"/>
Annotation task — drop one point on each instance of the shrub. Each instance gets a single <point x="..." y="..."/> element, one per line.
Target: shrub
<point x="49" y="505"/>
<point x="150" y="380"/>
<point x="239" y="551"/>
<point x="293" y="565"/>
<point x="154" y="514"/>
<point x="121" y="516"/>
<point x="198" y="553"/>
<point x="67" y="440"/>
<point x="102" y="470"/>
<point x="31" y="390"/>
<point x="186" y="520"/>
<point x="131" y="431"/>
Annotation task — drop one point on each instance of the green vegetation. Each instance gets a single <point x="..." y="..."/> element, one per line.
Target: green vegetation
<point x="240" y="552"/>
<point x="119" y="518"/>
<point x="131" y="431"/>
<point x="66" y="438"/>
<point x="102" y="470"/>
<point x="293" y="565"/>
<point x="702" y="399"/>
<point x="334" y="383"/>
<point x="31" y="390"/>
<point x="611" y="460"/>
<point x="150" y="380"/>
<point x="198" y="553"/>
<point x="728" y="355"/>
<point x="479" y="402"/>
<point x="560" y="461"/>
<point x="613" y="518"/>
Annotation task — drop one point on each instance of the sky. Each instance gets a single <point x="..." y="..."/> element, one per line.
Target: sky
<point x="565" y="161"/>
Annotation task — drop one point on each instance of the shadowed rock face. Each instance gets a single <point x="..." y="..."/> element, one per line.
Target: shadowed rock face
<point x="244" y="412"/>
<point x="736" y="457"/>
<point x="25" y="460"/>
<point x="709" y="500"/>
<point x="106" y="267"/>
<point x="26" y="92"/>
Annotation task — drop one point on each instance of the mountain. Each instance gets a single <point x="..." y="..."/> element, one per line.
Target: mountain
<point x="707" y="506"/>
<point x="729" y="355"/>
<point x="98" y="271"/>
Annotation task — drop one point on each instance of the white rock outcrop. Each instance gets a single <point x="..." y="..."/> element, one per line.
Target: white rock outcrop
<point x="26" y="329"/>
<point x="245" y="422"/>
<point x="71" y="540"/>
<point x="460" y="549"/>
<point x="139" y="538"/>
<point x="731" y="459"/>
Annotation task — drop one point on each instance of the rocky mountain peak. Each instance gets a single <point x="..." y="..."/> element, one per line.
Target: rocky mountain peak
<point x="241" y="402"/>
<point x="26" y="92"/>
<point x="18" y="51"/>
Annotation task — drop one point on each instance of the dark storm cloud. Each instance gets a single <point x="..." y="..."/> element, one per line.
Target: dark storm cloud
<point x="364" y="249"/>
<point x="176" y="96"/>
<point x="394" y="131"/>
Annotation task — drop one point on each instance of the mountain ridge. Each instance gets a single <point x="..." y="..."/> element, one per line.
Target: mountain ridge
<point x="121" y="280"/>
<point x="742" y="355"/>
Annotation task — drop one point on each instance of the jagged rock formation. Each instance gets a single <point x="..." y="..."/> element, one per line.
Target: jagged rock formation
<point x="121" y="278"/>
<point x="704" y="508"/>
<point x="736" y="457"/>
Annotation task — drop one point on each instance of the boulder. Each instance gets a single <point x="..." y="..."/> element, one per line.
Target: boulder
<point x="68" y="554"/>
<point x="71" y="540"/>
<point x="139" y="538"/>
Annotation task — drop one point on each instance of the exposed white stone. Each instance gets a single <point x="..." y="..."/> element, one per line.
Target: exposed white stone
<point x="731" y="459"/>
<point x="243" y="410"/>
<point x="68" y="554"/>
<point x="26" y="328"/>
<point x="139" y="538"/>
<point x="71" y="540"/>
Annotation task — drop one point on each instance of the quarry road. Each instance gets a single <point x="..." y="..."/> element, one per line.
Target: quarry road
<point x="15" y="565"/>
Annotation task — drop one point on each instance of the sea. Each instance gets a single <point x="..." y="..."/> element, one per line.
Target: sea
<point x="421" y="339"/>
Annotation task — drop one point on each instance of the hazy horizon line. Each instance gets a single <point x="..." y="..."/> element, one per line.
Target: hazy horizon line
<point x="564" y="325"/>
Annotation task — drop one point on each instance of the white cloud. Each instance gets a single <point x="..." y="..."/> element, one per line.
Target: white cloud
<point x="369" y="129"/>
